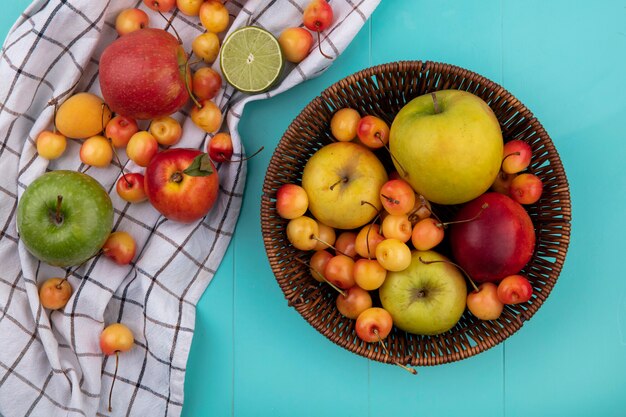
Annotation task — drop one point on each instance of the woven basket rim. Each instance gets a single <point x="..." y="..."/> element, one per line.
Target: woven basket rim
<point x="508" y="323"/>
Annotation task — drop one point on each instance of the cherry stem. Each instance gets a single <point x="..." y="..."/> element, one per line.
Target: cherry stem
<point x="102" y="118"/>
<point x="169" y="21"/>
<point x="58" y="217"/>
<point x="343" y="180"/>
<point x="406" y="368"/>
<point x="422" y="200"/>
<point x="328" y="244"/>
<point x="319" y="45"/>
<point x="445" y="224"/>
<point x="117" y="158"/>
<point x="435" y="103"/>
<point x="390" y="199"/>
<point x="517" y="153"/>
<point x="320" y="275"/>
<point x="55" y="103"/>
<point x="405" y="173"/>
<point x="246" y="158"/>
<point x="117" y="360"/>
<point x="369" y="228"/>
<point x="451" y="263"/>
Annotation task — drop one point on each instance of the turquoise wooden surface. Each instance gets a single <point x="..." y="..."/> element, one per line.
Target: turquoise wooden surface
<point x="566" y="60"/>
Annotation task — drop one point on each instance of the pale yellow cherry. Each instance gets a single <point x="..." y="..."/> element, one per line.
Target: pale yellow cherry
<point x="50" y="145"/>
<point x="96" y="151"/>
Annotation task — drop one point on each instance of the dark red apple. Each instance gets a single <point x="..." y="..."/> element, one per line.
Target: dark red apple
<point x="498" y="242"/>
<point x="145" y="74"/>
<point x="182" y="184"/>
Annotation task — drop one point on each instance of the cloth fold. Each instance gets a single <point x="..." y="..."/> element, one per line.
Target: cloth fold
<point x="50" y="362"/>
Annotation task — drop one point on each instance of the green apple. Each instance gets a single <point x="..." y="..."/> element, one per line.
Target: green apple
<point x="342" y="181"/>
<point x="426" y="298"/>
<point x="449" y="148"/>
<point x="64" y="217"/>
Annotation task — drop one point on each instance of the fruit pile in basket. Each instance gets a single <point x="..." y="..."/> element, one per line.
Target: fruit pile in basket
<point x="369" y="207"/>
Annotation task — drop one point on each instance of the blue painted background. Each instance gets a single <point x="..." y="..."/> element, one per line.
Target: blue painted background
<point x="566" y="61"/>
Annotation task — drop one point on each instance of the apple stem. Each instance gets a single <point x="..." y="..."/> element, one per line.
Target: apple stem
<point x="382" y="343"/>
<point x="451" y="263"/>
<point x="117" y="359"/>
<point x="435" y="103"/>
<point x="58" y="217"/>
<point x="445" y="224"/>
<point x="344" y="180"/>
<point x="188" y="87"/>
<point x="319" y="44"/>
<point x="176" y="177"/>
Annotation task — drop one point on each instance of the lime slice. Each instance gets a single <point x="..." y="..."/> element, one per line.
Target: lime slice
<point x="251" y="59"/>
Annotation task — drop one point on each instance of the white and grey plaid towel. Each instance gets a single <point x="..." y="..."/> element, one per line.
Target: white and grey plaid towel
<point x="50" y="362"/>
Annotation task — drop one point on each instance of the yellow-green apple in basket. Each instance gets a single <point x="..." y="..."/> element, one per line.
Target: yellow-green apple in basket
<point x="64" y="217"/>
<point x="342" y="181"/>
<point x="447" y="145"/>
<point x="426" y="298"/>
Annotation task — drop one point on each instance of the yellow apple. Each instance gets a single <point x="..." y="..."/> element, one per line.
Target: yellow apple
<point x="449" y="148"/>
<point x="342" y="181"/>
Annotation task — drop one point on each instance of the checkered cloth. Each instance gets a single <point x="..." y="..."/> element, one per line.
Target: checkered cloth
<point x="50" y="362"/>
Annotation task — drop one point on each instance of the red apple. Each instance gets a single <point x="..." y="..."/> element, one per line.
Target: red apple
<point x="484" y="302"/>
<point x="497" y="242"/>
<point x="515" y="289"/>
<point x="182" y="184"/>
<point x="130" y="187"/>
<point x="144" y="74"/>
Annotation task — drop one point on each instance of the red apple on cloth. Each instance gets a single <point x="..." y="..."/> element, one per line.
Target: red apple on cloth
<point x="144" y="74"/>
<point x="182" y="184"/>
<point x="497" y="242"/>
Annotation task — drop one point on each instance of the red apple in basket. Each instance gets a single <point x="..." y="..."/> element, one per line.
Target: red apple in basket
<point x="498" y="241"/>
<point x="145" y="74"/>
<point x="182" y="184"/>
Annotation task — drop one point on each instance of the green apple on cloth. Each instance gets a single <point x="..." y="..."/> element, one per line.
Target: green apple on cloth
<point x="51" y="363"/>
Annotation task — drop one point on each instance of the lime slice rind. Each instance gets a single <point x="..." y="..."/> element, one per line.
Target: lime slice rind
<point x="251" y="59"/>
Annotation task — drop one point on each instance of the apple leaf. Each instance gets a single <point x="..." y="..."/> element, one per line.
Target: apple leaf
<point x="200" y="167"/>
